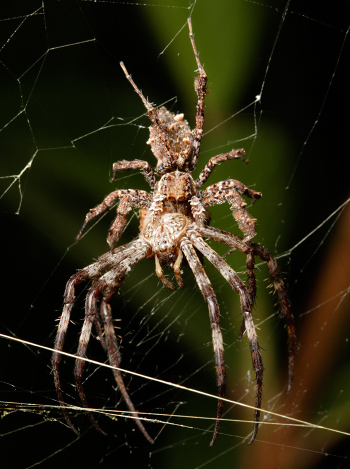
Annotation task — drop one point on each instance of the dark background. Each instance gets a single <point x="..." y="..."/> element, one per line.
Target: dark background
<point x="65" y="108"/>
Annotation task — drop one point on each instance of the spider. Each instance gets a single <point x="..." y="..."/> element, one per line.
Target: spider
<point x="174" y="224"/>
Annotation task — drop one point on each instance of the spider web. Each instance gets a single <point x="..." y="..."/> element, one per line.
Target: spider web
<point x="278" y="81"/>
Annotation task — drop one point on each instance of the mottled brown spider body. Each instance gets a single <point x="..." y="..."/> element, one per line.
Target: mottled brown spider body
<point x="174" y="223"/>
<point x="178" y="140"/>
<point x="166" y="222"/>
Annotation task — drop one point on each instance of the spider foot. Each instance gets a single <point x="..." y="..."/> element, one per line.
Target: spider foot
<point x="256" y="427"/>
<point x="217" y="424"/>
<point x="81" y="231"/>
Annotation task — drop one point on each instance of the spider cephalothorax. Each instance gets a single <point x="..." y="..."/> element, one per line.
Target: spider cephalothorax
<point x="174" y="225"/>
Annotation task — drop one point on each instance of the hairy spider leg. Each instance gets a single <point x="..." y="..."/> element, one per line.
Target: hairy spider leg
<point x="104" y="262"/>
<point x="153" y="115"/>
<point x="69" y="296"/>
<point x="238" y="243"/>
<point x="132" y="254"/>
<point x="220" y="188"/>
<point x="284" y="302"/>
<point x="215" y="161"/>
<point x="230" y="191"/>
<point x="251" y="286"/>
<point x="177" y="269"/>
<point x="107" y="285"/>
<point x="114" y="360"/>
<point x="208" y="293"/>
<point x="200" y="86"/>
<point x="257" y="366"/>
<point x="246" y="306"/>
<point x="125" y="165"/>
<point x="128" y="198"/>
<point x="91" y="317"/>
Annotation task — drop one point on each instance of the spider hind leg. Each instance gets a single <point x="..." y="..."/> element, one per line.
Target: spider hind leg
<point x="246" y="297"/>
<point x="114" y="360"/>
<point x="208" y="293"/>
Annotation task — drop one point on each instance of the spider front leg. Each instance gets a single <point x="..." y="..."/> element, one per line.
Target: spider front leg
<point x="153" y="115"/>
<point x="119" y="223"/>
<point x="200" y="86"/>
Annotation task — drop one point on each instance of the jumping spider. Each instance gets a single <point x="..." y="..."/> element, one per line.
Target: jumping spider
<point x="174" y="223"/>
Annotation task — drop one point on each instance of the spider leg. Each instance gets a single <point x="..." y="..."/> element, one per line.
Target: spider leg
<point x="230" y="191"/>
<point x="157" y="205"/>
<point x="91" y="316"/>
<point x="216" y="160"/>
<point x="251" y="287"/>
<point x="133" y="253"/>
<point x="246" y="305"/>
<point x="145" y="167"/>
<point x="124" y="207"/>
<point x="214" y="314"/>
<point x="198" y="211"/>
<point x="104" y="262"/>
<point x="69" y="296"/>
<point x="238" y="243"/>
<point x="150" y="109"/>
<point x="284" y="302"/>
<point x="226" y="271"/>
<point x="230" y="184"/>
<point x="257" y="365"/>
<point x="224" y="237"/>
<point x="128" y="198"/>
<point x="251" y="277"/>
<point x="200" y="86"/>
<point x="114" y="360"/>
<point x="153" y="115"/>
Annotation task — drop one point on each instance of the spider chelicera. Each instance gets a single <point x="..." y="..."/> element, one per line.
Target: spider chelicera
<point x="174" y="223"/>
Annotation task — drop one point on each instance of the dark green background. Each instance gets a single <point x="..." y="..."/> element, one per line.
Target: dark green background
<point x="66" y="92"/>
